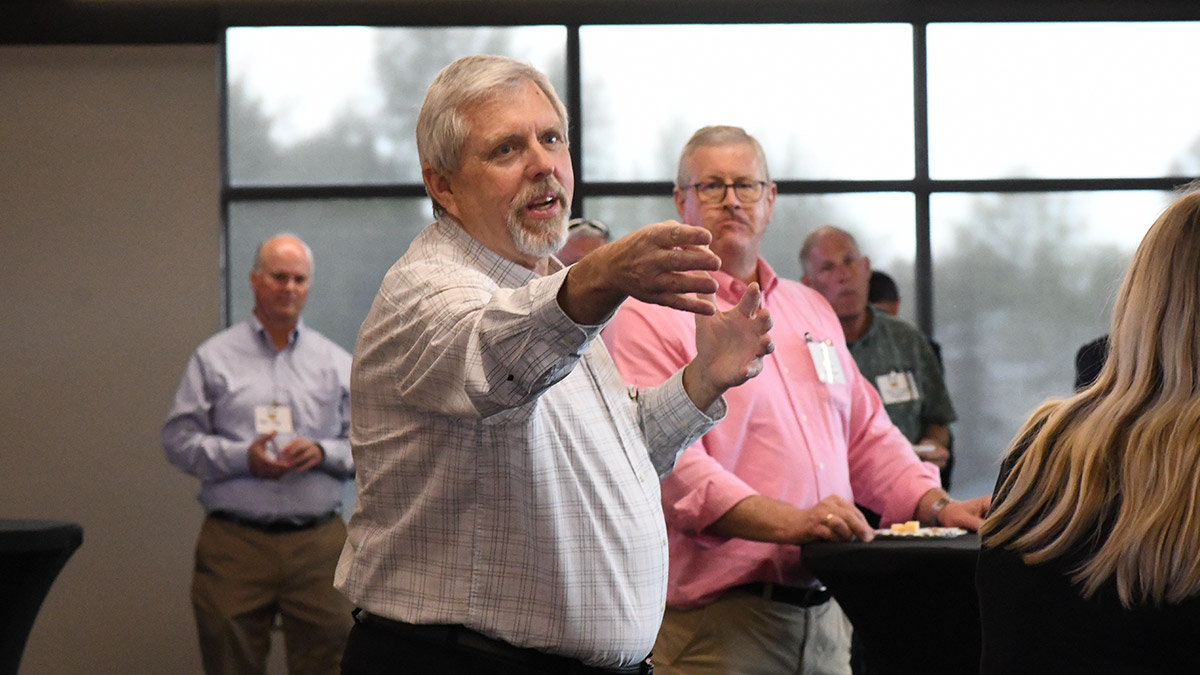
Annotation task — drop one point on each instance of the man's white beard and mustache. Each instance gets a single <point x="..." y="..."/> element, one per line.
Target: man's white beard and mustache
<point x="539" y="237"/>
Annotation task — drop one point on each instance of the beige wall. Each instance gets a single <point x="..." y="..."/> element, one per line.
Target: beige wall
<point x="109" y="248"/>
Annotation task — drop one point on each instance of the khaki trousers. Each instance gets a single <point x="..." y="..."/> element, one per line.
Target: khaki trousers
<point x="742" y="634"/>
<point x="245" y="577"/>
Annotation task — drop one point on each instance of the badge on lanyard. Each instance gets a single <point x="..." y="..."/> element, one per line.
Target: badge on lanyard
<point x="825" y="360"/>
<point x="896" y="387"/>
<point x="268" y="418"/>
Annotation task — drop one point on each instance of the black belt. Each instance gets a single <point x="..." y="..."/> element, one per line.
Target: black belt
<point x="465" y="639"/>
<point x="800" y="597"/>
<point x="275" y="526"/>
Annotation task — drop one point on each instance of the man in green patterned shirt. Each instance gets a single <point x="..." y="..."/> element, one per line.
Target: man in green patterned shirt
<point x="890" y="352"/>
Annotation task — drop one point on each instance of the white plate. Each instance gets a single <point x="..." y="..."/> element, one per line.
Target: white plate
<point x="923" y="533"/>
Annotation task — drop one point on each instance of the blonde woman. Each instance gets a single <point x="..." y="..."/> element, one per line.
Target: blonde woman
<point x="1091" y="552"/>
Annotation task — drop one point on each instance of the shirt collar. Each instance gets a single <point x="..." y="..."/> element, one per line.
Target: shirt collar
<point x="257" y="327"/>
<point x="506" y="273"/>
<point x="872" y="329"/>
<point x="731" y="289"/>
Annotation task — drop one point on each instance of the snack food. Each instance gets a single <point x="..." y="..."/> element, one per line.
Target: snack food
<point x="927" y="532"/>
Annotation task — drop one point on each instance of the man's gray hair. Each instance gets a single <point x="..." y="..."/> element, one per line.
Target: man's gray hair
<point x="578" y="228"/>
<point x="258" y="258"/>
<point x="441" y="127"/>
<point x="717" y="136"/>
<point x="822" y="231"/>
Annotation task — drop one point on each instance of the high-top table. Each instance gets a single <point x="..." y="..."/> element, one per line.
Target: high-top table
<point x="912" y="601"/>
<point x="32" y="553"/>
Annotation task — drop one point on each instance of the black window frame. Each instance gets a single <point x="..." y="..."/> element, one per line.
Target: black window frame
<point x="205" y="22"/>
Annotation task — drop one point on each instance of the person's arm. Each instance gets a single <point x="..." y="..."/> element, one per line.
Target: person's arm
<point x="936" y="441"/>
<point x="448" y="339"/>
<point x="336" y="458"/>
<point x="189" y="440"/>
<point x="937" y="508"/>
<point x="937" y="411"/>
<point x="760" y="518"/>
<point x="649" y="345"/>
<point x="326" y="445"/>
<point x="445" y="337"/>
<point x="885" y="474"/>
<point x="730" y="346"/>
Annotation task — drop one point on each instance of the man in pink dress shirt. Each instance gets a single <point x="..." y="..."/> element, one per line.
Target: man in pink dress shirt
<point x="801" y="443"/>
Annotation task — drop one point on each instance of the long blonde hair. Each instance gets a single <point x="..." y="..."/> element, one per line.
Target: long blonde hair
<point x="1125" y="452"/>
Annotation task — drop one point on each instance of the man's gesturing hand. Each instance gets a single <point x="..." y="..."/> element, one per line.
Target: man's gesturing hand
<point x="664" y="264"/>
<point x="730" y="347"/>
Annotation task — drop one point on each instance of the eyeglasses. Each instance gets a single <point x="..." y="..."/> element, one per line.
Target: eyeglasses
<point x="587" y="223"/>
<point x="712" y="192"/>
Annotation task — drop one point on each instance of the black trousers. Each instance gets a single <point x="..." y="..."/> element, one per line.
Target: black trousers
<point x="374" y="648"/>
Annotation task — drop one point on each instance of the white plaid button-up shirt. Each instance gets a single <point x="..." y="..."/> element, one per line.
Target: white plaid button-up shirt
<point x="507" y="475"/>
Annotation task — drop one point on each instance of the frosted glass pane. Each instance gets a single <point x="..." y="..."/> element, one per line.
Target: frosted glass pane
<point x="1063" y="100"/>
<point x="334" y="104"/>
<point x="826" y="101"/>
<point x="1021" y="281"/>
<point x="354" y="243"/>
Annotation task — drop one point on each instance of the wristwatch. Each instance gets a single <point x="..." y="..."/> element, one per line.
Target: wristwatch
<point x="937" y="509"/>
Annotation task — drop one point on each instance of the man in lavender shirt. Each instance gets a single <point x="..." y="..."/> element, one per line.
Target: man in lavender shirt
<point x="800" y="444"/>
<point x="262" y="418"/>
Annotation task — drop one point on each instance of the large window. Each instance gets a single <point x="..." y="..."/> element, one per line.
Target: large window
<point x="1076" y="100"/>
<point x="1002" y="172"/>
<point x="830" y="101"/>
<point x="1023" y="280"/>
<point x="321" y="125"/>
<point x="337" y="105"/>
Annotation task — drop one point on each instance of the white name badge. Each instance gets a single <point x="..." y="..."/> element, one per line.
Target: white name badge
<point x="268" y="418"/>
<point x="825" y="360"/>
<point x="897" y="387"/>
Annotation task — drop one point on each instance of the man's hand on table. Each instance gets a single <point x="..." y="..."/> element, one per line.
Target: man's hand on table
<point x="965" y="514"/>
<point x="760" y="518"/>
<point x="834" y="519"/>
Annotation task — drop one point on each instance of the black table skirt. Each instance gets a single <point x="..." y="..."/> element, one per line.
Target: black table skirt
<point x="32" y="553"/>
<point x="912" y="601"/>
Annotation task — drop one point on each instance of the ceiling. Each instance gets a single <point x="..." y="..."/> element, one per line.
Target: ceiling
<point x="202" y="21"/>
